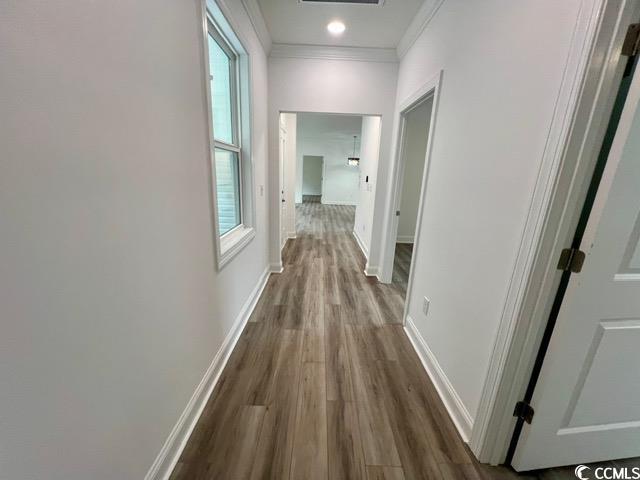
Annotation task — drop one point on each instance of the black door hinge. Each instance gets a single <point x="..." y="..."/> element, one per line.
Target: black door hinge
<point x="524" y="411"/>
<point x="571" y="260"/>
<point x="631" y="40"/>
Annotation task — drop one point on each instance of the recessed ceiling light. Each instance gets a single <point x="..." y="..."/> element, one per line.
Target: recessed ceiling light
<point x="336" y="27"/>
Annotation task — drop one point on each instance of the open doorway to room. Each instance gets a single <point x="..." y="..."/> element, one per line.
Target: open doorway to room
<point x="326" y="182"/>
<point x="312" y="174"/>
<point x="412" y="167"/>
<point x="400" y="265"/>
<point x="329" y="190"/>
<point x="328" y="167"/>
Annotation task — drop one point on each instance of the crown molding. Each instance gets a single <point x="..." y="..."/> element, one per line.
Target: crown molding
<point x="417" y="25"/>
<point x="259" y="25"/>
<point x="327" y="52"/>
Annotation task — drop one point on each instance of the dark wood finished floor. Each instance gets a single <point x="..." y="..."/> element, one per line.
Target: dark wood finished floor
<point x="401" y="266"/>
<point x="324" y="384"/>
<point x="311" y="198"/>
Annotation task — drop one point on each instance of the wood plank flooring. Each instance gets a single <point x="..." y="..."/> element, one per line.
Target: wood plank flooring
<point x="401" y="266"/>
<point x="324" y="384"/>
<point x="311" y="198"/>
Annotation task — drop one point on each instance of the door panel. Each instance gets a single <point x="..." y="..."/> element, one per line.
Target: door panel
<point x="614" y="341"/>
<point x="587" y="399"/>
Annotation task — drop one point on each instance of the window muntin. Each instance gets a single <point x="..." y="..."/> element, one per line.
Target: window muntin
<point x="223" y="65"/>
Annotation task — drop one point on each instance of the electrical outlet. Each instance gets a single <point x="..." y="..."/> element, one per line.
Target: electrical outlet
<point x="425" y="306"/>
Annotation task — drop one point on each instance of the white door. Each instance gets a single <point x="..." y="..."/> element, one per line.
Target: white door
<point x="587" y="399"/>
<point x="283" y="204"/>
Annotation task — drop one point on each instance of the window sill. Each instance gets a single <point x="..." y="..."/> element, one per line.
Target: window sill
<point x="233" y="242"/>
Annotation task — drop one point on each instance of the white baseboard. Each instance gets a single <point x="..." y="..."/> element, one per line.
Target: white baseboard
<point x="452" y="402"/>
<point x="360" y="243"/>
<point x="276" y="268"/>
<point x="172" y="449"/>
<point x="405" y="239"/>
<point x="371" y="271"/>
<point x="337" y="202"/>
<point x="291" y="235"/>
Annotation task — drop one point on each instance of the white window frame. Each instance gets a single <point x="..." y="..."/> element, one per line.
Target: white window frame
<point x="215" y="23"/>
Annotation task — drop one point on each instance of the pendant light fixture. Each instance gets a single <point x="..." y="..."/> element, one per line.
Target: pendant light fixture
<point x="353" y="161"/>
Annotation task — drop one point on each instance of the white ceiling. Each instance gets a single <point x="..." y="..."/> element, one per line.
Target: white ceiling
<point x="292" y="22"/>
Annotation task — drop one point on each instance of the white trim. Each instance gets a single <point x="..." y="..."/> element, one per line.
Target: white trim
<point x="217" y="13"/>
<point x="276" y="268"/>
<point x="292" y="235"/>
<point x="371" y="271"/>
<point x="337" y="202"/>
<point x="259" y="25"/>
<point x="232" y="243"/>
<point x="450" y="398"/>
<point x="575" y="135"/>
<point x="174" y="445"/>
<point x="420" y="21"/>
<point x="405" y="238"/>
<point x="626" y="277"/>
<point x="361" y="244"/>
<point x="327" y="52"/>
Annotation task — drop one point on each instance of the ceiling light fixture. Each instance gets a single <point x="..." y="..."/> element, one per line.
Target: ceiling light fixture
<point x="336" y="27"/>
<point x="353" y="161"/>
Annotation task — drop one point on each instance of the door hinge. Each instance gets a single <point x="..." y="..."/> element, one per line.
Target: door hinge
<point x="571" y="260"/>
<point x="397" y="213"/>
<point x="631" y="40"/>
<point x="524" y="411"/>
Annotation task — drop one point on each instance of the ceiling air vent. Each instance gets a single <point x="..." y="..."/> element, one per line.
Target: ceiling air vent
<point x="344" y="2"/>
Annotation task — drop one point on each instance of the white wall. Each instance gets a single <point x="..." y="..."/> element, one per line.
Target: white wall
<point x="369" y="154"/>
<point x="415" y="149"/>
<point x="311" y="175"/>
<point x="497" y="101"/>
<point x="290" y="172"/>
<point x="331" y="137"/>
<point x="334" y="86"/>
<point x="340" y="186"/>
<point x="112" y="308"/>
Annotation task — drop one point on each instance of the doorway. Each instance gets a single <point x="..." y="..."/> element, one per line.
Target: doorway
<point x="411" y="174"/>
<point x="312" y="177"/>
<point x="584" y="383"/>
<point x="400" y="265"/>
<point x="328" y="160"/>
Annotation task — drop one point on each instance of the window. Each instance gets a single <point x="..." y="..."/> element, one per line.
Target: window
<point x="228" y="93"/>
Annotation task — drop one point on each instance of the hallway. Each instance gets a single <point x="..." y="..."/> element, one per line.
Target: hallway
<point x="153" y="183"/>
<point x="323" y="382"/>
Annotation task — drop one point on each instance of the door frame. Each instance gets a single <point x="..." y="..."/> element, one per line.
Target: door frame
<point x="583" y="108"/>
<point x="322" y="178"/>
<point x="429" y="89"/>
<point x="282" y="143"/>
